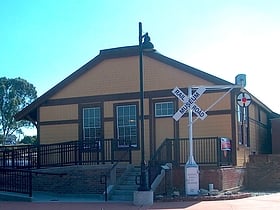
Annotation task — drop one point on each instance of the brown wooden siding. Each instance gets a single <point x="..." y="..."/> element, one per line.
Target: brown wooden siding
<point x="56" y="113"/>
<point x="110" y="76"/>
<point x="122" y="74"/>
<point x="218" y="125"/>
<point x="58" y="133"/>
<point x="109" y="130"/>
<point x="275" y="124"/>
<point x="116" y="81"/>
<point x="206" y="101"/>
<point x="164" y="128"/>
<point x="254" y="115"/>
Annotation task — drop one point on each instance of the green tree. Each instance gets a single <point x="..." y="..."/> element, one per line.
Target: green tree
<point x="15" y="94"/>
<point x="29" y="140"/>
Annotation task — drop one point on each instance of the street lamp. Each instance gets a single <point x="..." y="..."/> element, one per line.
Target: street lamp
<point x="143" y="46"/>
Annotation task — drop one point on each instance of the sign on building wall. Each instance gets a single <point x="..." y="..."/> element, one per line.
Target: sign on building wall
<point x="225" y="144"/>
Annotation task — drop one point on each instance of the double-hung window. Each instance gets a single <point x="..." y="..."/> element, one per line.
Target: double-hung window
<point x="126" y="125"/>
<point x="92" y="127"/>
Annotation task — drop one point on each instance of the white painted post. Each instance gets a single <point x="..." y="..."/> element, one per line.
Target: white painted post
<point x="191" y="168"/>
<point x="191" y="158"/>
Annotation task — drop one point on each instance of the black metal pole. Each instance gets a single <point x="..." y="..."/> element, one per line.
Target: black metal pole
<point x="143" y="178"/>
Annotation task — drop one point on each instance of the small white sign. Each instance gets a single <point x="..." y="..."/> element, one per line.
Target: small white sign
<point x="191" y="180"/>
<point x="244" y="99"/>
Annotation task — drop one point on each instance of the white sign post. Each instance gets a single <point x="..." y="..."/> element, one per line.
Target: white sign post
<point x="191" y="168"/>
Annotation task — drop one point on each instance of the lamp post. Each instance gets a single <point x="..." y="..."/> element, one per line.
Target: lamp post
<point x="146" y="45"/>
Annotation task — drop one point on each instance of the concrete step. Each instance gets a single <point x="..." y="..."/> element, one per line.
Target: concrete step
<point x="125" y="189"/>
<point x="122" y="197"/>
<point x="123" y="192"/>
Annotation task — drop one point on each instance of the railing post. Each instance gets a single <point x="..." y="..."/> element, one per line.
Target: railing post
<point x="169" y="150"/>
<point x="218" y="151"/>
<point x="103" y="180"/>
<point x="30" y="183"/>
<point x="102" y="149"/>
<point x="4" y="158"/>
<point x="38" y="148"/>
<point x="130" y="155"/>
<point x="97" y="149"/>
<point x="177" y="151"/>
<point x="80" y="152"/>
<point x="113" y="143"/>
<point x="76" y="146"/>
<point x="13" y="157"/>
<point x="29" y="160"/>
<point x="61" y="154"/>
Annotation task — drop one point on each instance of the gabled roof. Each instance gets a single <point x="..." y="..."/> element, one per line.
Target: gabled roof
<point x="30" y="112"/>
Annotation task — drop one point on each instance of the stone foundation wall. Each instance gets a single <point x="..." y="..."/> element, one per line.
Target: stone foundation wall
<point x="77" y="179"/>
<point x="222" y="178"/>
<point x="86" y="179"/>
<point x="263" y="172"/>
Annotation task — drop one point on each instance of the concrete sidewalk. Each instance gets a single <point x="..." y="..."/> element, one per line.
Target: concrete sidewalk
<point x="51" y="197"/>
<point x="271" y="202"/>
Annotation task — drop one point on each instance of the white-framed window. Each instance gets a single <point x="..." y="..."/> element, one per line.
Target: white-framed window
<point x="164" y="109"/>
<point x="127" y="125"/>
<point x="92" y="126"/>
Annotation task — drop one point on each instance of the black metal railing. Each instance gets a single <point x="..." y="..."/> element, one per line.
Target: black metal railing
<point x="63" y="154"/>
<point x="104" y="177"/>
<point x="14" y="180"/>
<point x="206" y="150"/>
<point x="17" y="162"/>
<point x="20" y="180"/>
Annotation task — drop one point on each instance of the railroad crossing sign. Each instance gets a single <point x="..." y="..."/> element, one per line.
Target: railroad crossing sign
<point x="189" y="103"/>
<point x="244" y="99"/>
<point x="191" y="168"/>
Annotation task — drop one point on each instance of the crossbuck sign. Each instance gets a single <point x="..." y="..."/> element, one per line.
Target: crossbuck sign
<point x="189" y="103"/>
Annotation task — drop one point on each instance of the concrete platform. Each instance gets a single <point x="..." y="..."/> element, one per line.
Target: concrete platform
<point x="7" y="196"/>
<point x="50" y="197"/>
<point x="143" y="198"/>
<point x="271" y="202"/>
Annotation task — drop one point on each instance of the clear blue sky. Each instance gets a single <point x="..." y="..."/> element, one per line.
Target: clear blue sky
<point x="43" y="41"/>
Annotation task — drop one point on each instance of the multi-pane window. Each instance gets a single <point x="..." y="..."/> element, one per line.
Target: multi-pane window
<point x="127" y="126"/>
<point x="92" y="125"/>
<point x="164" y="109"/>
